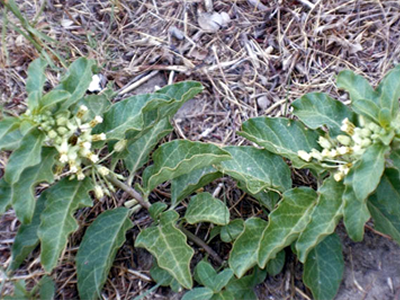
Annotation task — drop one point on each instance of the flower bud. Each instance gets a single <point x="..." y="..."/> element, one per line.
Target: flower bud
<point x="338" y="176"/>
<point x="98" y="192"/>
<point x="120" y="145"/>
<point x="344" y="169"/>
<point x="361" y="121"/>
<point x="316" y="154"/>
<point x="95" y="121"/>
<point x="365" y="143"/>
<point x="357" y="138"/>
<point x="344" y="140"/>
<point x="324" y="142"/>
<point x="343" y="150"/>
<point x="304" y="155"/>
<point x="365" y="133"/>
<point x="333" y="153"/>
<point x="130" y="203"/>
<point x="347" y="127"/>
<point x="93" y="157"/>
<point x="374" y="127"/>
<point x="62" y="130"/>
<point x="61" y="121"/>
<point x="357" y="150"/>
<point x="325" y="153"/>
<point x="52" y="134"/>
<point x="80" y="176"/>
<point x="103" y="171"/>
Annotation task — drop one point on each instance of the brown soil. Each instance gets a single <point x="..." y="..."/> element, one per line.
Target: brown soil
<point x="265" y="58"/>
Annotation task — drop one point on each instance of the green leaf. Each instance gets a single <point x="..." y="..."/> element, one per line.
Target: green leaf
<point x="244" y="252"/>
<point x="275" y="266"/>
<point x="258" y="169"/>
<point x="52" y="98"/>
<point x="207" y="276"/>
<point x="180" y="157"/>
<point x="281" y="136"/>
<point x="198" y="294"/>
<point x="163" y="278"/>
<point x="63" y="199"/>
<point x="139" y="150"/>
<point x="27" y="155"/>
<point x="318" y="109"/>
<point x="27" y="238"/>
<point x="366" y="174"/>
<point x="389" y="92"/>
<point x="357" y="86"/>
<point x="231" y="231"/>
<point x="11" y="140"/>
<point x="36" y="78"/>
<point x="184" y="185"/>
<point x="286" y="222"/>
<point x="324" y="217"/>
<point x="5" y="196"/>
<point x="8" y="125"/>
<point x="384" y="205"/>
<point x="23" y="191"/>
<point x="367" y="108"/>
<point x="156" y="209"/>
<point x="323" y="270"/>
<point x="205" y="208"/>
<point x="243" y="288"/>
<point x="77" y="80"/>
<point x="384" y="117"/>
<point x="97" y="251"/>
<point x="97" y="105"/>
<point x="268" y="199"/>
<point x="395" y="157"/>
<point x="168" y="245"/>
<point x="47" y="288"/>
<point x="355" y="214"/>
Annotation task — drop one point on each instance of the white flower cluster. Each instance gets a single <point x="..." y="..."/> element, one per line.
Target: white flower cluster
<point x="72" y="137"/>
<point x="345" y="149"/>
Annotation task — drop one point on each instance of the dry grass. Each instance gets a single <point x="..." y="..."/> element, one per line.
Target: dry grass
<point x="271" y="53"/>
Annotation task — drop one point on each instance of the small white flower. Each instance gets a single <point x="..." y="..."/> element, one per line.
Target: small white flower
<point x="343" y="150"/>
<point x="98" y="191"/>
<point x="357" y="138"/>
<point x="82" y="111"/>
<point x="347" y="127"/>
<point x="358" y="150"/>
<point x="344" y="169"/>
<point x="316" y="154"/>
<point x="324" y="142"/>
<point x="86" y="145"/>
<point x="63" y="158"/>
<point x="93" y="157"/>
<point x="304" y="155"/>
<point x="95" y="121"/>
<point x="80" y="175"/>
<point x="85" y="127"/>
<point x="344" y="140"/>
<point x="325" y="153"/>
<point x="99" y="137"/>
<point x="333" y="153"/>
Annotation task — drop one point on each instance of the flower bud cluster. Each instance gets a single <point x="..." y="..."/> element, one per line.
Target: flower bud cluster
<point x="72" y="137"/>
<point x="345" y="149"/>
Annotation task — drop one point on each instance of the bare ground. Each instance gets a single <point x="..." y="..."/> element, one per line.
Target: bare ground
<point x="269" y="54"/>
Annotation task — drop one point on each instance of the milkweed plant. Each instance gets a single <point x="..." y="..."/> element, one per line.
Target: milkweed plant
<point x="66" y="146"/>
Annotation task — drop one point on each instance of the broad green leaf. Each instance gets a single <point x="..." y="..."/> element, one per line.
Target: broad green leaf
<point x="5" y="196"/>
<point x="367" y="108"/>
<point x="97" y="251"/>
<point x="26" y="126"/>
<point x="97" y="105"/>
<point x="281" y="136"/>
<point x="52" y="98"/>
<point x="389" y="91"/>
<point x="357" y="86"/>
<point x="47" y="288"/>
<point x="207" y="276"/>
<point x="11" y="140"/>
<point x="163" y="278"/>
<point x="223" y="295"/>
<point x="384" y="117"/>
<point x="23" y="191"/>
<point x="231" y="231"/>
<point x="366" y="174"/>
<point x="139" y="150"/>
<point x="275" y="266"/>
<point x="182" y="90"/>
<point x="27" y="238"/>
<point x="384" y="205"/>
<point x="168" y="245"/>
<point x="205" y="208"/>
<point x="181" y="157"/>
<point x="286" y="222"/>
<point x="36" y="78"/>
<point x="244" y="252"/>
<point x="258" y="169"/>
<point x="395" y="157"/>
<point x="243" y="288"/>
<point x="77" y="80"/>
<point x="355" y="214"/>
<point x="27" y="155"/>
<point x="324" y="217"/>
<point x="318" y="109"/>
<point x="156" y="209"/>
<point x="7" y="125"/>
<point x="33" y="101"/>
<point x="323" y="270"/>
<point x="267" y="199"/>
<point x="200" y="293"/>
<point x="184" y="185"/>
<point x="57" y="221"/>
